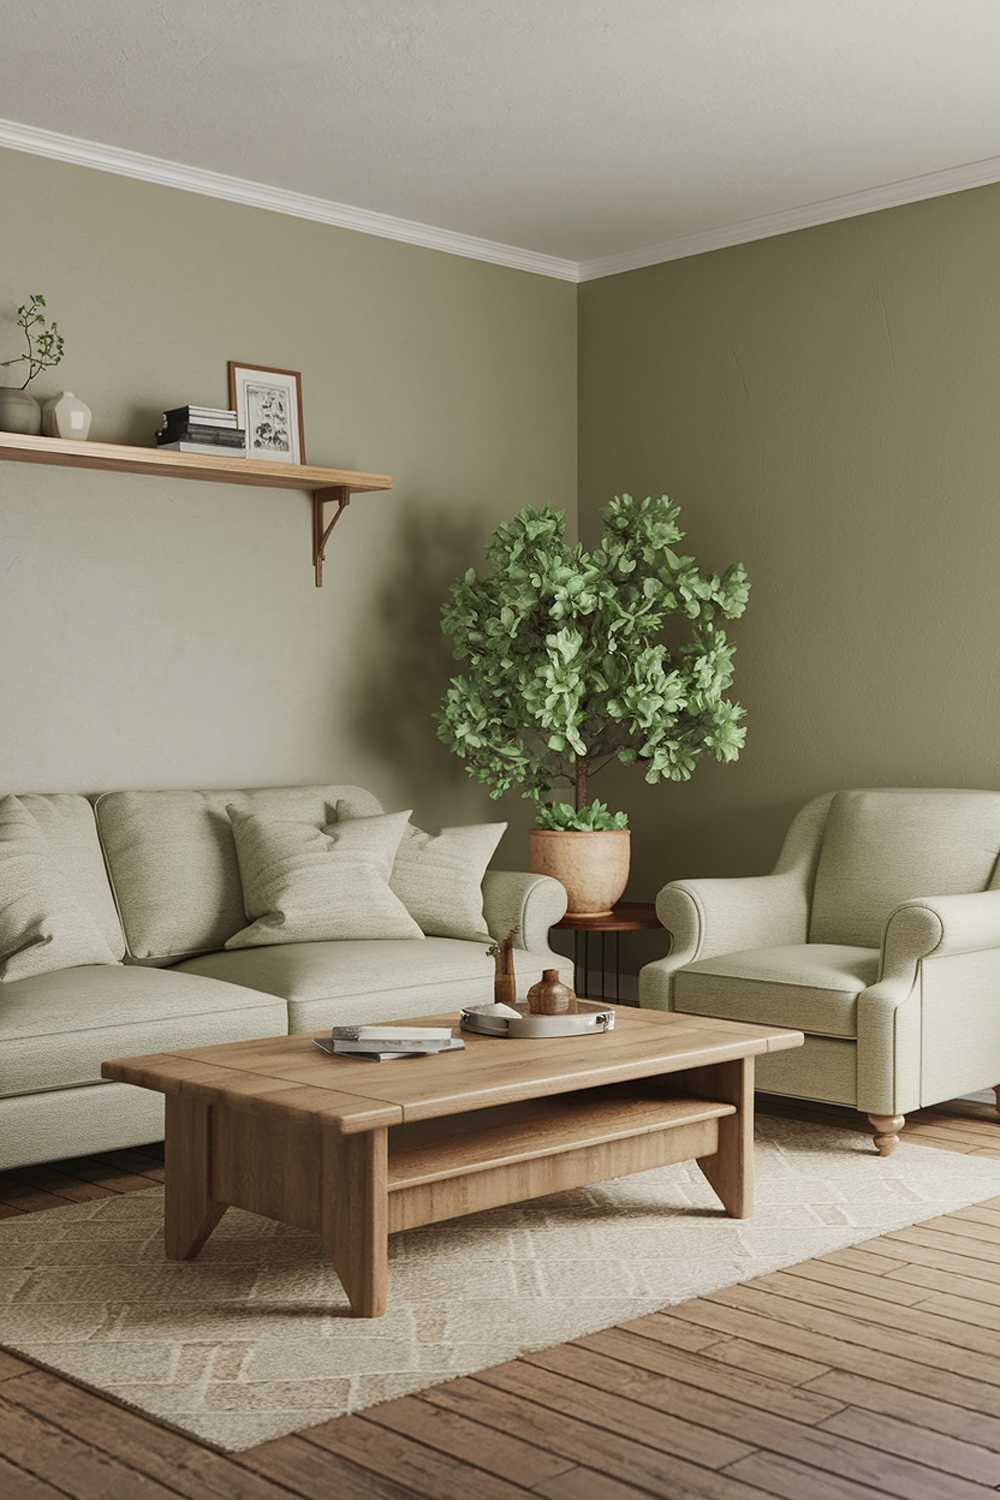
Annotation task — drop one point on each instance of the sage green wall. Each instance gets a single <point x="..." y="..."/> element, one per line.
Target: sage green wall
<point x="161" y="633"/>
<point x="825" y="406"/>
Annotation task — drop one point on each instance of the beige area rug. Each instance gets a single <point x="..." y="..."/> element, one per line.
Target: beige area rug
<point x="252" y="1340"/>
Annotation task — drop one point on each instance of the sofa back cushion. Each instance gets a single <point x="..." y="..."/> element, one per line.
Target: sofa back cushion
<point x="173" y="866"/>
<point x="67" y="822"/>
<point x="887" y="846"/>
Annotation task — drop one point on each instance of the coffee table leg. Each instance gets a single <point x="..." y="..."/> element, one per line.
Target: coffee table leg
<point x="190" y="1212"/>
<point x="354" y="1215"/>
<point x="730" y="1170"/>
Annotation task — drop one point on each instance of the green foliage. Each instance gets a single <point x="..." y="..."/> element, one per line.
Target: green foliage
<point x="596" y="817"/>
<point x="575" y="658"/>
<point x="43" y="340"/>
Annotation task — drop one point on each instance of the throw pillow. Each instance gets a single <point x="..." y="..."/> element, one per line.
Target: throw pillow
<point x="303" y="884"/>
<point x="439" y="877"/>
<point x="42" y="925"/>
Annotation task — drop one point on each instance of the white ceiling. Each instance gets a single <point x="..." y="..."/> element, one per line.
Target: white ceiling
<point x="580" y="129"/>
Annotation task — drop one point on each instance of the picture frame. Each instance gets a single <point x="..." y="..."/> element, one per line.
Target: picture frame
<point x="268" y="403"/>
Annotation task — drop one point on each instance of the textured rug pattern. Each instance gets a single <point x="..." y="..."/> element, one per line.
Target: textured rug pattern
<point x="253" y="1339"/>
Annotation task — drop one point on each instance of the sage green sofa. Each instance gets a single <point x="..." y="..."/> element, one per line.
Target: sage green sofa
<point x="158" y="872"/>
<point x="877" y="934"/>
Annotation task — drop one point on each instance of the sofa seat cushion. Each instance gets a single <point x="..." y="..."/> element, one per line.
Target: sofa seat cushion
<point x="813" y="986"/>
<point x="328" y="983"/>
<point x="56" y="1029"/>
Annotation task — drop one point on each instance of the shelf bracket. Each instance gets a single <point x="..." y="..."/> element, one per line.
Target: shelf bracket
<point x="321" y="528"/>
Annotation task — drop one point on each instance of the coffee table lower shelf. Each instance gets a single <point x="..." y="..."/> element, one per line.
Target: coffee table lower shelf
<point x="442" y="1169"/>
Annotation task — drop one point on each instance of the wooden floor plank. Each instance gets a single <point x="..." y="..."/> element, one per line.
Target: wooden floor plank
<point x="769" y="1364"/>
<point x="855" y="1259"/>
<point x="909" y="1253"/>
<point x="842" y="1354"/>
<point x="951" y="1242"/>
<point x="911" y="1406"/>
<point x="503" y="1453"/>
<point x="774" y="1475"/>
<point x="952" y="1455"/>
<point x="945" y="1283"/>
<point x="920" y="1348"/>
<point x="70" y="1465"/>
<point x="307" y="1471"/>
<point x="672" y="1331"/>
<point x="606" y="1372"/>
<point x="499" y="1399"/>
<point x="587" y="1484"/>
<point x="10" y="1366"/>
<point x="418" y="1468"/>
<point x="61" y="1184"/>
<point x="848" y="1280"/>
<point x="922" y="1320"/>
<point x="26" y="1199"/>
<point x="827" y="1452"/>
<point x="184" y="1467"/>
<point x="17" y="1484"/>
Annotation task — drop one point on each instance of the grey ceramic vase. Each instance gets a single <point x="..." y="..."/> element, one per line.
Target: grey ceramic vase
<point x="19" y="412"/>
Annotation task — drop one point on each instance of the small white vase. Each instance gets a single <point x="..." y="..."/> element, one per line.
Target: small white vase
<point x="66" y="416"/>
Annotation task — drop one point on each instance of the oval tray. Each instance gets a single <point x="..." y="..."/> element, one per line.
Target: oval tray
<point x="591" y="1023"/>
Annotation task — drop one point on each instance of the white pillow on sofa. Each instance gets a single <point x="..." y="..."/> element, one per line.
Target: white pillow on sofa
<point x="303" y="884"/>
<point x="439" y="877"/>
<point x="42" y="925"/>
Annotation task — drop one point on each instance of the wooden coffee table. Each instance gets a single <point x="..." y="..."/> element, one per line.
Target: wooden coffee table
<point x="358" y="1150"/>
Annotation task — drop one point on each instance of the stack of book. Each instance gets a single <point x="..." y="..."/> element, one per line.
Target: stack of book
<point x="385" y="1043"/>
<point x="202" y="429"/>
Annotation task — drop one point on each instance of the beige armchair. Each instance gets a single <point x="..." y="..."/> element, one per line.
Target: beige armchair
<point x="877" y="934"/>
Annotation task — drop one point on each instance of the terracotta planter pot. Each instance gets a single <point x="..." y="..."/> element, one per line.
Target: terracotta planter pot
<point x="592" y="866"/>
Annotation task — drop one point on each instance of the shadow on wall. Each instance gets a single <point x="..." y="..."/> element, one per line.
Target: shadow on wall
<point x="407" y="661"/>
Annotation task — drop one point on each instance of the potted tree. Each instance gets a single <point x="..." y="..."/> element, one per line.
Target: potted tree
<point x="575" y="658"/>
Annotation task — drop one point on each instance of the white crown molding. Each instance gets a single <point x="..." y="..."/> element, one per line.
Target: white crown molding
<point x="827" y="211"/>
<point x="174" y="174"/>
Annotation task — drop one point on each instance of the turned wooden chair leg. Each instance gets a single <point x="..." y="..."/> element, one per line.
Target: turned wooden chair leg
<point x="886" y="1128"/>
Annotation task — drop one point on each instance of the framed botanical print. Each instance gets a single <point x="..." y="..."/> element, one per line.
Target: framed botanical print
<point x="268" y="404"/>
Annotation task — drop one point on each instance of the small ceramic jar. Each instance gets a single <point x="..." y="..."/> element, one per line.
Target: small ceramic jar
<point x="66" y="416"/>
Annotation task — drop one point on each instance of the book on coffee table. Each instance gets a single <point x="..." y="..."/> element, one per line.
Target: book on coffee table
<point x="385" y="1052"/>
<point x="394" y="1032"/>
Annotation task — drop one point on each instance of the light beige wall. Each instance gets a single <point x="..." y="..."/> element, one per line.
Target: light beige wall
<point x="826" y="406"/>
<point x="161" y="633"/>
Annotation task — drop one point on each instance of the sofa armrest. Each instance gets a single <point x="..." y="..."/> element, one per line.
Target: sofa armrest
<point x="937" y="926"/>
<point x="531" y="903"/>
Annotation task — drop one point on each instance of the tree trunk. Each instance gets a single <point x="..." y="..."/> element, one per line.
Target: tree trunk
<point x="582" y="770"/>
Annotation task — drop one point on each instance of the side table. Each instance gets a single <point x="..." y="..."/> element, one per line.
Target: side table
<point x="628" y="916"/>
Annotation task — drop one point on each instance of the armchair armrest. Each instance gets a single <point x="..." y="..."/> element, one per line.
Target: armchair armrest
<point x="897" y="1064"/>
<point x="705" y="917"/>
<point x="531" y="903"/>
<point x="938" y="926"/>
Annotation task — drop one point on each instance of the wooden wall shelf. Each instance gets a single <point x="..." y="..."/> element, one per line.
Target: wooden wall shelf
<point x="326" y="486"/>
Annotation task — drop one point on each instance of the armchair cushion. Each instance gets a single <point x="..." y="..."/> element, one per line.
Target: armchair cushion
<point x="887" y="846"/>
<point x="813" y="986"/>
